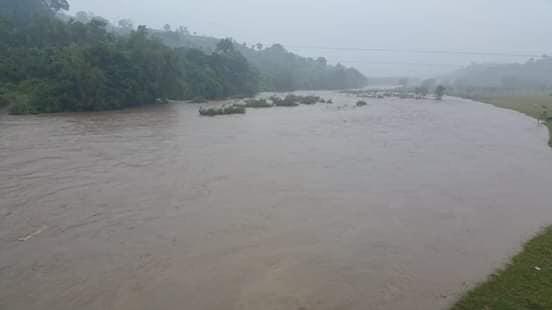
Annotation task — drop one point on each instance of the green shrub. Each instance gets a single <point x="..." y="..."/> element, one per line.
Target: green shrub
<point x="3" y="102"/>
<point x="257" y="103"/>
<point x="222" y="110"/>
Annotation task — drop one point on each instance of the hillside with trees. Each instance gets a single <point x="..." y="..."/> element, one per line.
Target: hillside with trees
<point x="529" y="78"/>
<point x="82" y="63"/>
<point x="280" y="70"/>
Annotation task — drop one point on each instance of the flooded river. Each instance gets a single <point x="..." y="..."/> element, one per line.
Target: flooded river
<point x="400" y="204"/>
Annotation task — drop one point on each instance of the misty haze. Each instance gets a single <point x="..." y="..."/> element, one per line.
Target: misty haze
<point x="275" y="155"/>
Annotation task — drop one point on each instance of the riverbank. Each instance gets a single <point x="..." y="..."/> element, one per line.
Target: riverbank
<point x="529" y="105"/>
<point x="525" y="283"/>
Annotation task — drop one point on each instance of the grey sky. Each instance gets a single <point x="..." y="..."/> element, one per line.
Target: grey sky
<point x="505" y="26"/>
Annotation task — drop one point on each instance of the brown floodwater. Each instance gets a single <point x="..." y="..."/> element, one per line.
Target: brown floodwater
<point x="400" y="204"/>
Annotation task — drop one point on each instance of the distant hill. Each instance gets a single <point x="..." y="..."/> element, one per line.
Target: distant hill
<point x="533" y="76"/>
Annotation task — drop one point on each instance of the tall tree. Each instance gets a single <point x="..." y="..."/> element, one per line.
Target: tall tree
<point x="440" y="92"/>
<point x="57" y="5"/>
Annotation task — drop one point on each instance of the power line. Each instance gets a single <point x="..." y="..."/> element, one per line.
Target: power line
<point x="420" y="51"/>
<point x="404" y="63"/>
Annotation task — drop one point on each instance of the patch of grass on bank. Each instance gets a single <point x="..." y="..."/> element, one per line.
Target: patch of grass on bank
<point x="530" y="105"/>
<point x="525" y="284"/>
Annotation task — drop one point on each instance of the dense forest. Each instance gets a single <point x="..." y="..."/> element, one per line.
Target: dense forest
<point x="280" y="70"/>
<point x="52" y="64"/>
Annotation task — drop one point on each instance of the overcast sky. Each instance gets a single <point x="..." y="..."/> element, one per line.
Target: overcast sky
<point x="402" y="27"/>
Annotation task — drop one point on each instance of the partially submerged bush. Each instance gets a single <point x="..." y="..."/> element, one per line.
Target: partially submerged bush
<point x="292" y="100"/>
<point x="20" y="104"/>
<point x="3" y="102"/>
<point x="309" y="99"/>
<point x="257" y="103"/>
<point x="288" y="101"/>
<point x="222" y="110"/>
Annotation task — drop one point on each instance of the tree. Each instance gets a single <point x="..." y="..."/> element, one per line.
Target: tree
<point x="167" y="28"/>
<point x="440" y="92"/>
<point x="83" y="17"/>
<point x="225" y="46"/>
<point x="183" y="30"/>
<point x="259" y="46"/>
<point x="126" y="24"/>
<point x="57" y="5"/>
<point x="544" y="115"/>
<point x="322" y="61"/>
<point x="72" y="66"/>
<point x="429" y="83"/>
<point x="403" y="82"/>
<point x="23" y="11"/>
<point x="421" y="90"/>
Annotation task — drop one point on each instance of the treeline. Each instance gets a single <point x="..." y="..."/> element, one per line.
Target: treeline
<point x="531" y="77"/>
<point x="51" y="62"/>
<point x="48" y="65"/>
<point x="280" y="70"/>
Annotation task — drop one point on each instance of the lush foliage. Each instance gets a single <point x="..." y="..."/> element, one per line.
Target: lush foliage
<point x="50" y="62"/>
<point x="49" y="65"/>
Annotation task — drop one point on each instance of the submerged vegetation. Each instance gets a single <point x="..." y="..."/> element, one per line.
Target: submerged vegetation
<point x="222" y="110"/>
<point x="400" y="92"/>
<point x="286" y="102"/>
<point x="257" y="103"/>
<point x="290" y="100"/>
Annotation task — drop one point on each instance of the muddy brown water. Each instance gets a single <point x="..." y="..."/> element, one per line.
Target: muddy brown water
<point x="400" y="204"/>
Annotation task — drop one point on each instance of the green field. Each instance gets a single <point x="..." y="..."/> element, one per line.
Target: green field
<point x="526" y="283"/>
<point x="530" y="105"/>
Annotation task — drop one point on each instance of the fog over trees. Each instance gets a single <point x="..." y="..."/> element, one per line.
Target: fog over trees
<point x="54" y="62"/>
<point x="397" y="33"/>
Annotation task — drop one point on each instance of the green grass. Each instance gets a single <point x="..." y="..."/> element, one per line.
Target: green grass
<point x="525" y="283"/>
<point x="530" y="105"/>
<point x="520" y="285"/>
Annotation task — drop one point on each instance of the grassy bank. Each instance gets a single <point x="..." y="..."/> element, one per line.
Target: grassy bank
<point x="526" y="283"/>
<point x="530" y="105"/>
